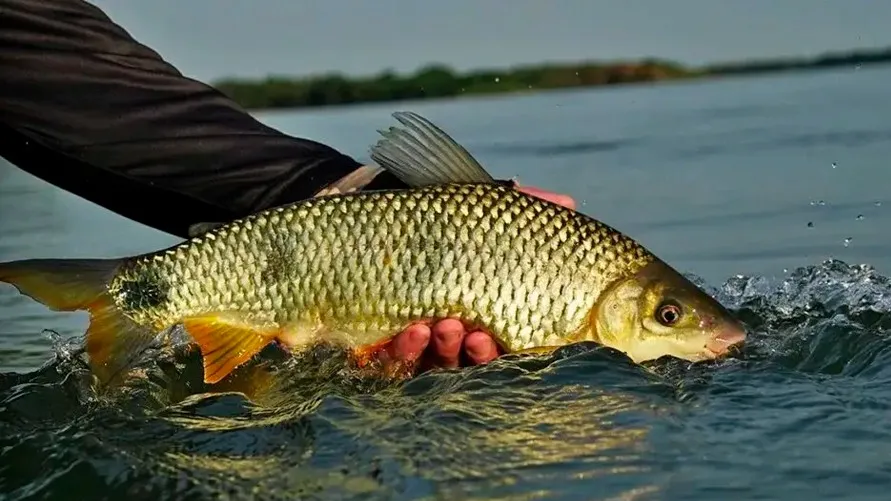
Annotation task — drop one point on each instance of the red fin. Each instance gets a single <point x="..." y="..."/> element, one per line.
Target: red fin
<point x="226" y="342"/>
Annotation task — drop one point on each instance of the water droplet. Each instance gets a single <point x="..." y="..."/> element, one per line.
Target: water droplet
<point x="821" y="203"/>
<point x="584" y="203"/>
<point x="878" y="204"/>
<point x="834" y="165"/>
<point x="497" y="79"/>
<point x="859" y="217"/>
<point x="785" y="270"/>
<point x="530" y="86"/>
<point x="576" y="73"/>
<point x="810" y="224"/>
<point x="847" y="241"/>
<point x="858" y="66"/>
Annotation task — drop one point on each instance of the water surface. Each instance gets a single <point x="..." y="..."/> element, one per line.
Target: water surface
<point x="772" y="191"/>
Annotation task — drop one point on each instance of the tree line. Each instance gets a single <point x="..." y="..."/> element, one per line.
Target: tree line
<point x="441" y="81"/>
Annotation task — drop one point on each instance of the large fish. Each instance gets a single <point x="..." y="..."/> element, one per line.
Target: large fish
<point x="356" y="268"/>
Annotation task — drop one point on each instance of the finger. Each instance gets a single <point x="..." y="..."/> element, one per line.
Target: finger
<point x="446" y="339"/>
<point x="550" y="196"/>
<point x="409" y="344"/>
<point x="480" y="347"/>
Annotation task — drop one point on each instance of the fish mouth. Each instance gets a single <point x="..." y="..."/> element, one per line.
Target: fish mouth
<point x="726" y="341"/>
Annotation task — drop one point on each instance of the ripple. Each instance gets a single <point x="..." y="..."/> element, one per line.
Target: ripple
<point x="783" y="140"/>
<point x="810" y="392"/>
<point x="556" y="149"/>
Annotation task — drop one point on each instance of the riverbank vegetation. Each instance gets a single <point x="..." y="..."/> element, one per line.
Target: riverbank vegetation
<point x="440" y="81"/>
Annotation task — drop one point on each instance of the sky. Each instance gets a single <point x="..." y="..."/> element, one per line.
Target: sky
<point x="211" y="39"/>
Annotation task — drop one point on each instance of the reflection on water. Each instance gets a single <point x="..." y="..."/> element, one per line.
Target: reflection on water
<point x="809" y="393"/>
<point x="519" y="426"/>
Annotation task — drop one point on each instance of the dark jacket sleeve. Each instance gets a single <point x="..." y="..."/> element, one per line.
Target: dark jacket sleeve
<point x="87" y="108"/>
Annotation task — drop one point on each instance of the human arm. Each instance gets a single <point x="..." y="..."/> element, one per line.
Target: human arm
<point x="92" y="111"/>
<point x="89" y="109"/>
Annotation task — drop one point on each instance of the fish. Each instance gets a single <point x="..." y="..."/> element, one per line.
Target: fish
<point x="355" y="268"/>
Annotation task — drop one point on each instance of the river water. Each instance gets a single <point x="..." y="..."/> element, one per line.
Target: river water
<point x="773" y="192"/>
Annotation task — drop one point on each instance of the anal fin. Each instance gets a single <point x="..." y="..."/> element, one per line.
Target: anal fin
<point x="227" y="340"/>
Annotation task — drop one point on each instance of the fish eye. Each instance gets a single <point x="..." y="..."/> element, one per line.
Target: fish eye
<point x="668" y="314"/>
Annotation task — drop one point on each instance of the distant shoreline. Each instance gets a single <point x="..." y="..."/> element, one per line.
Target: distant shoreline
<point x="439" y="81"/>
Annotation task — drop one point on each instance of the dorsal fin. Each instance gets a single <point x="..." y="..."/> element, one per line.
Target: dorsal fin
<point x="422" y="154"/>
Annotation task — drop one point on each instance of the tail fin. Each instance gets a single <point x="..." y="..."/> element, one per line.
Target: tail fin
<point x="112" y="339"/>
<point x="60" y="284"/>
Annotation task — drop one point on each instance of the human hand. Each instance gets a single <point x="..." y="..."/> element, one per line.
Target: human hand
<point x="442" y="344"/>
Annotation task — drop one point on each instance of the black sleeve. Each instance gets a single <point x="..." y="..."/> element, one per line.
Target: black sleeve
<point x="87" y="108"/>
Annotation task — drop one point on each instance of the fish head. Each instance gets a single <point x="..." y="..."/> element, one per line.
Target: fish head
<point x="657" y="312"/>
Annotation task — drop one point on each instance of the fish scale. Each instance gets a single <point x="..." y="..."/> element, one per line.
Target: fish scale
<point x="486" y="274"/>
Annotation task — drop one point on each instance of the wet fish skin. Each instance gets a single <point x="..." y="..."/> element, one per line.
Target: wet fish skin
<point x="370" y="264"/>
<point x="357" y="268"/>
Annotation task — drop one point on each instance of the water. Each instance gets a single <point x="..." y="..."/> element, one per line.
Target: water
<point x="773" y="191"/>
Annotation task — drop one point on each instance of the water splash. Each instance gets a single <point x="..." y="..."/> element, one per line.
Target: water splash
<point x="584" y="422"/>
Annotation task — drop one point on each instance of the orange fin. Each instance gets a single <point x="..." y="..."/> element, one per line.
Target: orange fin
<point x="113" y="340"/>
<point x="60" y="284"/>
<point x="378" y="359"/>
<point x="377" y="352"/>
<point x="227" y="341"/>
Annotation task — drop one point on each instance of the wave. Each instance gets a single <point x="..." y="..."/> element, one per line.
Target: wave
<point x="584" y="421"/>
